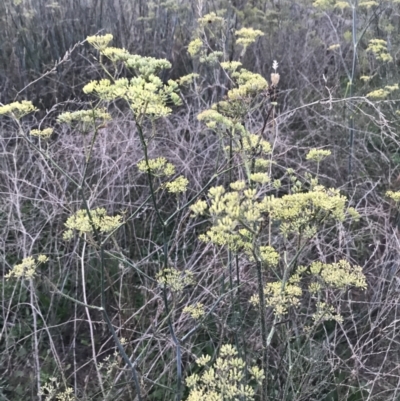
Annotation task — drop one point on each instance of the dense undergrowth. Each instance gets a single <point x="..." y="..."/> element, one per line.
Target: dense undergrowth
<point x="204" y="222"/>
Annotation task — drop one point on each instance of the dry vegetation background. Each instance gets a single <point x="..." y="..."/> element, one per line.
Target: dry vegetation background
<point x="45" y="335"/>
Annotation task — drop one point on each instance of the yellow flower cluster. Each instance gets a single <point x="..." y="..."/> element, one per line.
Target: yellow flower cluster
<point x="280" y="296"/>
<point x="100" y="42"/>
<point x="27" y="268"/>
<point x="246" y="36"/>
<point x="177" y="186"/>
<point x="379" y="48"/>
<point x="81" y="222"/>
<point x="382" y="93"/>
<point x="84" y="116"/>
<point x="339" y="275"/>
<point x="253" y="143"/>
<point x="147" y="66"/>
<point x="299" y="212"/>
<point x="249" y="84"/>
<point x="210" y="19"/>
<point x="116" y="54"/>
<point x="326" y="312"/>
<point x="187" y="79"/>
<point x="327" y="4"/>
<point x="269" y="256"/>
<point x="318" y="154"/>
<point x="194" y="47"/>
<point x="174" y="279"/>
<point x="394" y="195"/>
<point x="224" y="380"/>
<point x="196" y="311"/>
<point x="231" y="66"/>
<point x="51" y="391"/>
<point x="158" y="167"/>
<point x="145" y="95"/>
<point x="18" y="109"/>
<point x="44" y="133"/>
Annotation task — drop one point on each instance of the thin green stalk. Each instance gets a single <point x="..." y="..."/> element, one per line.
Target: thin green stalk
<point x="263" y="323"/>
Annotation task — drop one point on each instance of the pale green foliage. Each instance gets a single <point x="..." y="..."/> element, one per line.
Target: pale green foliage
<point x="224" y="380"/>
<point x="318" y="154"/>
<point x="27" y="268"/>
<point x="18" y="109"/>
<point x="196" y="311"/>
<point x="246" y="36"/>
<point x="158" y="167"/>
<point x="379" y="48"/>
<point x="174" y="279"/>
<point x="177" y="186"/>
<point x="99" y="220"/>
<point x="44" y="133"/>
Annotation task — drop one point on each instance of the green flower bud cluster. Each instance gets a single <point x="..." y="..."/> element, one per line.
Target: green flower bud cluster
<point x="224" y="380"/>
<point x="27" y="268"/>
<point x="174" y="279"/>
<point x="99" y="220"/>
<point x="18" y="109"/>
